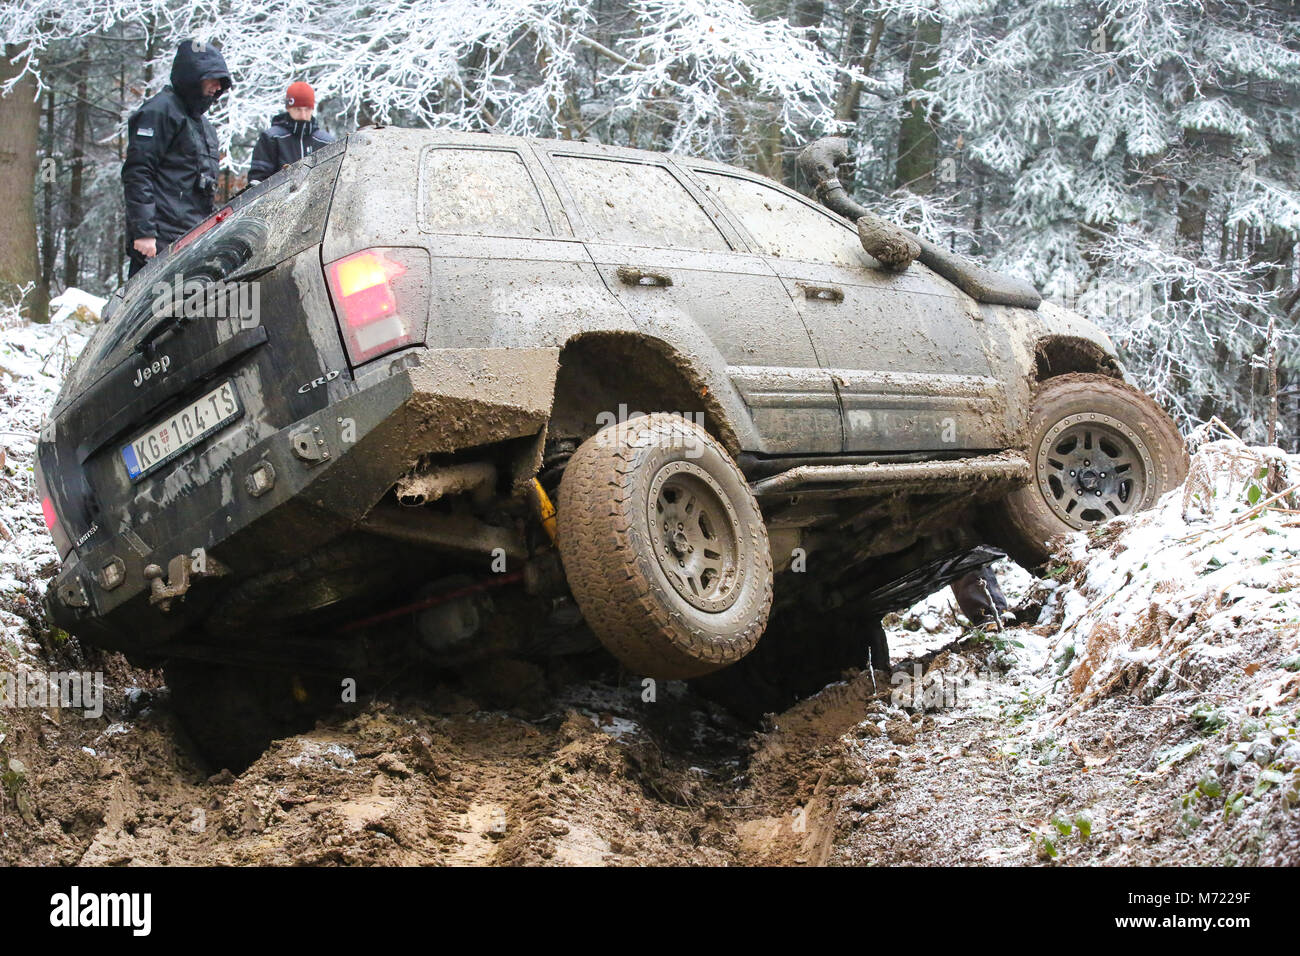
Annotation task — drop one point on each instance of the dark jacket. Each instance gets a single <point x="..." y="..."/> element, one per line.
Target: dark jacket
<point x="170" y="173"/>
<point x="287" y="141"/>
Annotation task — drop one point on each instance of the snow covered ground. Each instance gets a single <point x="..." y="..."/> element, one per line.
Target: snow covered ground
<point x="1184" y="588"/>
<point x="33" y="361"/>
<point x="1145" y="713"/>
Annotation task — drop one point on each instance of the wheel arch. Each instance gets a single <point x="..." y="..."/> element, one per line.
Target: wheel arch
<point x="1056" y="355"/>
<point x="599" y="371"/>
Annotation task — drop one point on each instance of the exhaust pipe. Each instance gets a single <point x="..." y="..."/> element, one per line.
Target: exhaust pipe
<point x="421" y="487"/>
<point x="895" y="247"/>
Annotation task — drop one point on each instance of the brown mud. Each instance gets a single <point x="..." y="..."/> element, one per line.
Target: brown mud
<point x="581" y="770"/>
<point x="600" y="777"/>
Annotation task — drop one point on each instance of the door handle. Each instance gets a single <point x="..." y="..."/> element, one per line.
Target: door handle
<point x="823" y="293"/>
<point x="629" y="276"/>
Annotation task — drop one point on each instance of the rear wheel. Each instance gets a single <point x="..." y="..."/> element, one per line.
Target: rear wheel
<point x="1099" y="449"/>
<point x="664" y="547"/>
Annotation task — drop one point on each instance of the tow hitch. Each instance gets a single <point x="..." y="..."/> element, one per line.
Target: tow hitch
<point x="182" y="570"/>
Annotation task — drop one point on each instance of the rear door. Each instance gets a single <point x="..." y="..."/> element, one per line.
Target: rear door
<point x="507" y="268"/>
<point x="905" y="350"/>
<point x="678" y="275"/>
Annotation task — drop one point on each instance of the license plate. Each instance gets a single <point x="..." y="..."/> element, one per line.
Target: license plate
<point x="183" y="429"/>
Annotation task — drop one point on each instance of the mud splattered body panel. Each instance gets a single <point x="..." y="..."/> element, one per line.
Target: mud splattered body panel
<point x="416" y="294"/>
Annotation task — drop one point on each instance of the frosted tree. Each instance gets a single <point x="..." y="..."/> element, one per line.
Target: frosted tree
<point x="710" y="77"/>
<point x="673" y="73"/>
<point x="1136" y="159"/>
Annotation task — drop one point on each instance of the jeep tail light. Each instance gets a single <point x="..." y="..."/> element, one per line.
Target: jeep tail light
<point x="207" y="225"/>
<point x="379" y="299"/>
<point x="61" y="539"/>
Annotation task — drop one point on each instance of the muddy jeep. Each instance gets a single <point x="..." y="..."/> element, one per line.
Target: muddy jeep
<point x="473" y="389"/>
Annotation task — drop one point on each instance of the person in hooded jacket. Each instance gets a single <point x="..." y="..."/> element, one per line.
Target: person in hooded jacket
<point x="170" y="173"/>
<point x="293" y="134"/>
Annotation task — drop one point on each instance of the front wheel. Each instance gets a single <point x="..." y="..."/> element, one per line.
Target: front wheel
<point x="1099" y="449"/>
<point x="664" y="547"/>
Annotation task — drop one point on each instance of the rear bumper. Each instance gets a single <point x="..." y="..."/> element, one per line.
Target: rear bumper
<point x="326" y="472"/>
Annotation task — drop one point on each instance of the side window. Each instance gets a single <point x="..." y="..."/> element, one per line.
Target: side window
<point x="479" y="192"/>
<point x="638" y="204"/>
<point x="784" y="226"/>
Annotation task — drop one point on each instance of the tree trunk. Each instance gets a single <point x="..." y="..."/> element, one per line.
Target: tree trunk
<point x="71" y="244"/>
<point x="851" y="97"/>
<point x="49" y="179"/>
<point x="1192" y="210"/>
<point x="119" y="219"/>
<point x="1193" y="205"/>
<point x="806" y="13"/>
<point x="1271" y="363"/>
<point x="20" y="118"/>
<point x="918" y="136"/>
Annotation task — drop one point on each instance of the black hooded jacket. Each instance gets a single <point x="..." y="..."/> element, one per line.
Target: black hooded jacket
<point x="171" y="167"/>
<point x="287" y="141"/>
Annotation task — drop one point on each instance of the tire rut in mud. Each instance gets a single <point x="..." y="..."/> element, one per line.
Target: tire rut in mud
<point x="589" y="773"/>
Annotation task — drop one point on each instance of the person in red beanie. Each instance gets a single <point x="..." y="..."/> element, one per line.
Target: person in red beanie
<point x="293" y="134"/>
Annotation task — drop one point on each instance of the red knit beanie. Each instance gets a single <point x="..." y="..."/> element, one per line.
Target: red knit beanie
<point x="300" y="94"/>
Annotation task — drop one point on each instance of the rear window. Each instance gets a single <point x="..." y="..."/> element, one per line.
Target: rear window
<point x="480" y="192"/>
<point x="783" y="225"/>
<point x="638" y="204"/>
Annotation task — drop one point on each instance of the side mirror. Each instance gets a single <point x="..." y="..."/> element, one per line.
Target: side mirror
<point x="892" y="246"/>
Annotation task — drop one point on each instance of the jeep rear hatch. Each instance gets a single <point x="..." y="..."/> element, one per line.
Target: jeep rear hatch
<point x="193" y="356"/>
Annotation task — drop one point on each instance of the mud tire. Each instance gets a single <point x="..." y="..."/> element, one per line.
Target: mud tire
<point x="608" y="547"/>
<point x="1025" y="521"/>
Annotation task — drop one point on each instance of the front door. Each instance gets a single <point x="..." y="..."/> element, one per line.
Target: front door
<point x="905" y="350"/>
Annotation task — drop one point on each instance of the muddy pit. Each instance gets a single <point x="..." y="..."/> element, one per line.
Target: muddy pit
<point x="567" y="762"/>
<point x="1145" y="711"/>
<point x="584" y="771"/>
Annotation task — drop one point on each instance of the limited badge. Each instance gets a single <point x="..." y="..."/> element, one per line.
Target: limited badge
<point x="144" y="131"/>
